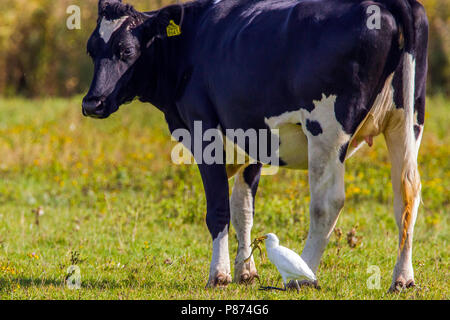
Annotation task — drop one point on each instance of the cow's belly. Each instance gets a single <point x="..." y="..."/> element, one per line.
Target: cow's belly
<point x="293" y="150"/>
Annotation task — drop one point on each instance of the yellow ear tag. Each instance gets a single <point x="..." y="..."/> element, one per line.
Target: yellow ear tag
<point x="173" y="29"/>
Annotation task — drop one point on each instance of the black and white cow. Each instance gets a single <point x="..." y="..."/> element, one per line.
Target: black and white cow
<point x="313" y="69"/>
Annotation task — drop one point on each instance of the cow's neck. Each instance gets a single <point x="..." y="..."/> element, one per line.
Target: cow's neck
<point x="161" y="84"/>
<point x="170" y="64"/>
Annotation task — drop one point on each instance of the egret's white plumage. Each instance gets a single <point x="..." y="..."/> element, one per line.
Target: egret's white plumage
<point x="290" y="265"/>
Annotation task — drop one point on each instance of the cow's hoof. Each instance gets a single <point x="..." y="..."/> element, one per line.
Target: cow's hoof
<point x="247" y="277"/>
<point x="245" y="273"/>
<point x="219" y="280"/>
<point x="303" y="283"/>
<point x="400" y="284"/>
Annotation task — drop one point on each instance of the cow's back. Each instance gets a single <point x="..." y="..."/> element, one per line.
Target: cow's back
<point x="268" y="57"/>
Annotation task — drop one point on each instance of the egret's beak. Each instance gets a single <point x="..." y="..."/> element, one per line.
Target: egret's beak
<point x="254" y="246"/>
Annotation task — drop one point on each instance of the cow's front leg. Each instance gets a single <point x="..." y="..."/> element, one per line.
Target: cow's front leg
<point x="215" y="182"/>
<point x="326" y="180"/>
<point x="242" y="211"/>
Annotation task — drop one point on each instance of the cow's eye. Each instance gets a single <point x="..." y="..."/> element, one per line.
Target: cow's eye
<point x="127" y="53"/>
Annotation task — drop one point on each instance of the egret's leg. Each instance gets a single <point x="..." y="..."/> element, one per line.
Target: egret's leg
<point x="272" y="288"/>
<point x="297" y="286"/>
<point x="242" y="212"/>
<point x="403" y="272"/>
<point x="276" y="286"/>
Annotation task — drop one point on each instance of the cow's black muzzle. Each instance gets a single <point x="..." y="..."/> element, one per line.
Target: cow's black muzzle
<point x="93" y="107"/>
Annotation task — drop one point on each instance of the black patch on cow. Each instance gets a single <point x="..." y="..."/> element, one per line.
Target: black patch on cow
<point x="416" y="131"/>
<point x="252" y="174"/>
<point x="313" y="127"/>
<point x="308" y="107"/>
<point x="216" y="220"/>
<point x="397" y="84"/>
<point x="343" y="152"/>
<point x="419" y="108"/>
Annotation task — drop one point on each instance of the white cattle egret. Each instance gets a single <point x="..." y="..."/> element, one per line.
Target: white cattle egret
<point x="290" y="265"/>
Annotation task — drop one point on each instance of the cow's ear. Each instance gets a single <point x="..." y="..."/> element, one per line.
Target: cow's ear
<point x="115" y="9"/>
<point x="103" y="4"/>
<point x="165" y="23"/>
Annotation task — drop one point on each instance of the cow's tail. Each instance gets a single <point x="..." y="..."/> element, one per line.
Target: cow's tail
<point x="410" y="174"/>
<point x="410" y="179"/>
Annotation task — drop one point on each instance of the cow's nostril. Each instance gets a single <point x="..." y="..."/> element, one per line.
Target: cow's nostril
<point x="91" y="105"/>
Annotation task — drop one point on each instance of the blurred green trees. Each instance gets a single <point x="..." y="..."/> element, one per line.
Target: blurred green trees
<point x="438" y="12"/>
<point x="40" y="56"/>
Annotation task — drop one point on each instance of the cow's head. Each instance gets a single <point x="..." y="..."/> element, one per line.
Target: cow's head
<point x="120" y="40"/>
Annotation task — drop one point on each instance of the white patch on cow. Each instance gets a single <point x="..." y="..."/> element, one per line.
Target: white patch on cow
<point x="323" y="113"/>
<point x="220" y="261"/>
<point x="241" y="207"/>
<point x="276" y="122"/>
<point x="108" y="27"/>
<point x="293" y="138"/>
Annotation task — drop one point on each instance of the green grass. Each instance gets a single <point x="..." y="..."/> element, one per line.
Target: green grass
<point x="112" y="196"/>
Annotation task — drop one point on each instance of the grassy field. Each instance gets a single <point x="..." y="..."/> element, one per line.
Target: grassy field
<point x="133" y="222"/>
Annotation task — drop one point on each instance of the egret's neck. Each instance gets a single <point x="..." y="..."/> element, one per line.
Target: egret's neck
<point x="272" y="244"/>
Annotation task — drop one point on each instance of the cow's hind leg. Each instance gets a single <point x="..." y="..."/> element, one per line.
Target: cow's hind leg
<point x="242" y="212"/>
<point x="326" y="178"/>
<point x="406" y="186"/>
